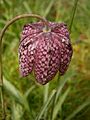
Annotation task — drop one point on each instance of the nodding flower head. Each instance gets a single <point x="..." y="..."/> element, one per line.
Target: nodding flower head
<point x="46" y="51"/>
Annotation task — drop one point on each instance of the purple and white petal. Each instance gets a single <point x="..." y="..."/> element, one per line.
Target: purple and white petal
<point x="46" y="59"/>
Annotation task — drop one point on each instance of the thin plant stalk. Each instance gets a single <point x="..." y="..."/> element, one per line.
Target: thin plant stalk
<point x="1" y="65"/>
<point x="53" y="105"/>
<point x="54" y="100"/>
<point x="1" y="85"/>
<point x="73" y="14"/>
<point x="46" y="91"/>
<point x="43" y="109"/>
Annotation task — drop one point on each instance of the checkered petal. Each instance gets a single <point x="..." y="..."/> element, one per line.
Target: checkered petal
<point x="66" y="54"/>
<point x="27" y="49"/>
<point x="66" y="48"/>
<point x="46" y="58"/>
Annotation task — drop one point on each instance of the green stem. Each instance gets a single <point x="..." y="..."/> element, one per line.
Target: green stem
<point x="73" y="14"/>
<point x="53" y="105"/>
<point x="1" y="66"/>
<point x="54" y="99"/>
<point x="46" y="91"/>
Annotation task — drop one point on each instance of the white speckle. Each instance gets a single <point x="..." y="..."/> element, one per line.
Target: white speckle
<point x="44" y="52"/>
<point x="25" y="52"/>
<point x="45" y="48"/>
<point x="54" y="45"/>
<point x="26" y="42"/>
<point x="43" y="64"/>
<point x="31" y="52"/>
<point x="43" y="59"/>
<point x="44" y="79"/>
<point x="45" y="73"/>
<point x="43" y="69"/>
<point x="63" y="40"/>
<point x="29" y="29"/>
<point x="41" y="76"/>
<point x="61" y="60"/>
<point x="31" y="39"/>
<point x="53" y="58"/>
<point x="25" y="31"/>
<point x="67" y="42"/>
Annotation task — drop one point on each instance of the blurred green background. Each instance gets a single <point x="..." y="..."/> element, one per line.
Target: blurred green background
<point x="78" y="74"/>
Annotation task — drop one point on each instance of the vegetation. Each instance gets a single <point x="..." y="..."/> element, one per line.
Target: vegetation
<point x="64" y="98"/>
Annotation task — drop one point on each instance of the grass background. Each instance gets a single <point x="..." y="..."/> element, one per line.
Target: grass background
<point x="53" y="10"/>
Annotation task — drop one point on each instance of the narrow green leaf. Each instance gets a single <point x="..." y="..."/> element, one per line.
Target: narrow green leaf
<point x="81" y="107"/>
<point x="49" y="8"/>
<point x="29" y="91"/>
<point x="63" y="81"/>
<point x="46" y="92"/>
<point x="73" y="14"/>
<point x="12" y="90"/>
<point x="17" y="111"/>
<point x="43" y="109"/>
<point x="11" y="33"/>
<point x="15" y="94"/>
<point x="61" y="100"/>
<point x="2" y="21"/>
<point x="27" y="7"/>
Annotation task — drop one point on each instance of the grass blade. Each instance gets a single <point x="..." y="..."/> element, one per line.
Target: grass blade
<point x="17" y="111"/>
<point x="46" y="92"/>
<point x="73" y="14"/>
<point x="12" y="91"/>
<point x="27" y="7"/>
<point x="43" y="109"/>
<point x="49" y="8"/>
<point x="81" y="107"/>
<point x="61" y="100"/>
<point x="29" y="91"/>
<point x="15" y="94"/>
<point x="63" y="82"/>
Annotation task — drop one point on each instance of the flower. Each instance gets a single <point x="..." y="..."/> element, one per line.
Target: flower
<point x="44" y="51"/>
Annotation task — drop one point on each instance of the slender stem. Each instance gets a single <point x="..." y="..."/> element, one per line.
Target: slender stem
<point x="1" y="85"/>
<point x="54" y="99"/>
<point x="1" y="36"/>
<point x="20" y="17"/>
<point x="46" y="91"/>
<point x="46" y="88"/>
<point x="73" y="14"/>
<point x="53" y="105"/>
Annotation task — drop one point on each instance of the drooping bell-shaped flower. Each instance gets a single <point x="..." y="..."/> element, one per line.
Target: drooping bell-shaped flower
<point x="44" y="51"/>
